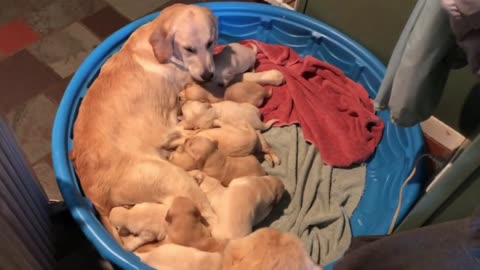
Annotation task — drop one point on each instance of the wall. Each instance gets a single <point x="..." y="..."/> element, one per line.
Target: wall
<point x="377" y="24"/>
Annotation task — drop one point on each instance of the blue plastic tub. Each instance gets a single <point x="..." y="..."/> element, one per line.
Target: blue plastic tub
<point x="386" y="169"/>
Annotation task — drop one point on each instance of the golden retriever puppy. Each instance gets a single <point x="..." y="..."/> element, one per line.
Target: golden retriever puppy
<point x="141" y="224"/>
<point x="235" y="139"/>
<point x="240" y="139"/>
<point x="247" y="92"/>
<point x="212" y="92"/>
<point x="196" y="92"/>
<point x="267" y="249"/>
<point x="177" y="257"/>
<point x="199" y="115"/>
<point x="186" y="227"/>
<point x="243" y="204"/>
<point x="234" y="59"/>
<point x="132" y="106"/>
<point x="201" y="153"/>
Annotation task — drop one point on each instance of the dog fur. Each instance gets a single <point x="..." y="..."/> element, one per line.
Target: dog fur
<point x="186" y="227"/>
<point x="201" y="153"/>
<point x="176" y="257"/>
<point x="234" y="59"/>
<point x="243" y="204"/>
<point x="199" y="115"/>
<point x="143" y="223"/>
<point x="132" y="106"/>
<point x="267" y="249"/>
<point x="247" y="92"/>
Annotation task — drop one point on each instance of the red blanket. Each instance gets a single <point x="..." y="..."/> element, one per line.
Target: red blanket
<point x="334" y="112"/>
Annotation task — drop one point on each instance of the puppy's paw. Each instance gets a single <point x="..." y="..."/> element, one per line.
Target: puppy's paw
<point x="269" y="160"/>
<point x="275" y="77"/>
<point x="272" y="159"/>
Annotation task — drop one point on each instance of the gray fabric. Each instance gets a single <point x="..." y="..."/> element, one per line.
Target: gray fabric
<point x="418" y="69"/>
<point x="320" y="199"/>
<point x="25" y="227"/>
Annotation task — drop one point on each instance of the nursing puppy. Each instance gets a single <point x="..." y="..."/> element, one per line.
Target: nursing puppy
<point x="234" y="140"/>
<point x="141" y="224"/>
<point x="247" y="92"/>
<point x="199" y="115"/>
<point x="132" y="106"/>
<point x="212" y="92"/>
<point x="243" y="204"/>
<point x="177" y="257"/>
<point x="196" y="92"/>
<point x="234" y="59"/>
<point x="186" y="227"/>
<point x="201" y="153"/>
<point x="267" y="249"/>
<point x="240" y="139"/>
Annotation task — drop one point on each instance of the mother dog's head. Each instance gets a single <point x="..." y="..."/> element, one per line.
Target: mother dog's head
<point x="187" y="33"/>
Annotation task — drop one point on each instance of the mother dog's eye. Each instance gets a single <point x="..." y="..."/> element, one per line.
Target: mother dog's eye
<point x="190" y="49"/>
<point x="209" y="44"/>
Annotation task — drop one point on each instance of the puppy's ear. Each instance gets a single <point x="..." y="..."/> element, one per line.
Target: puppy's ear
<point x="168" y="217"/>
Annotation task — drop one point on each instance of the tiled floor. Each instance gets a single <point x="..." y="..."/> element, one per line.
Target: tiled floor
<point x="47" y="41"/>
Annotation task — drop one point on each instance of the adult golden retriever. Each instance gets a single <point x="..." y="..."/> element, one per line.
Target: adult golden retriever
<point x="132" y="106"/>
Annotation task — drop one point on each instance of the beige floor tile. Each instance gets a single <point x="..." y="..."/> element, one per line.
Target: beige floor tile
<point x="32" y="123"/>
<point x="60" y="13"/>
<point x="46" y="176"/>
<point x="64" y="51"/>
<point x="135" y="9"/>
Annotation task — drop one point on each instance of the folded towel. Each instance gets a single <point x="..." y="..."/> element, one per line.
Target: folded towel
<point x="334" y="112"/>
<point x="319" y="199"/>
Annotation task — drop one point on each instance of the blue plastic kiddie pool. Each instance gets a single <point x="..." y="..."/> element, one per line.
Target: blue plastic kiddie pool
<point x="386" y="170"/>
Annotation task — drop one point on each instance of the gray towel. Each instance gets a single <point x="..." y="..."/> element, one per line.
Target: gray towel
<point x="320" y="198"/>
<point x="419" y="66"/>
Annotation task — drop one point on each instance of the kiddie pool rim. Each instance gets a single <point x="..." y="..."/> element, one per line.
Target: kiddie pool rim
<point x="80" y="210"/>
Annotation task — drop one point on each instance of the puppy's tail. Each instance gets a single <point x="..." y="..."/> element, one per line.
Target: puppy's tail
<point x="269" y="124"/>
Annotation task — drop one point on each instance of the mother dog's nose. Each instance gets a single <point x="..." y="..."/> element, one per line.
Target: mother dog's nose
<point x="207" y="76"/>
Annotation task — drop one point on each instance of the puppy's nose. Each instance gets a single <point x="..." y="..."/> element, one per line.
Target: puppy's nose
<point x="207" y="76"/>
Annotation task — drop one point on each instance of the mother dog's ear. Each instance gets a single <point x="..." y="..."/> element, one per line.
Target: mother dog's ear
<point x="213" y="20"/>
<point x="162" y="44"/>
<point x="161" y="38"/>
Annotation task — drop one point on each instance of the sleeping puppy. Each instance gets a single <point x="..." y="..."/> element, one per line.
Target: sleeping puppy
<point x="229" y="142"/>
<point x="240" y="139"/>
<point x="198" y="115"/>
<point x="196" y="92"/>
<point x="177" y="257"/>
<point x="141" y="224"/>
<point x="186" y="227"/>
<point x="267" y="249"/>
<point x="234" y="59"/>
<point x="133" y="105"/>
<point x="212" y="92"/>
<point x="201" y="153"/>
<point x="247" y="92"/>
<point x="243" y="204"/>
<point x="234" y="140"/>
